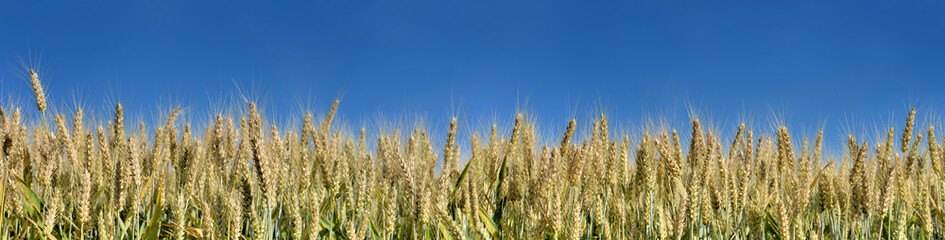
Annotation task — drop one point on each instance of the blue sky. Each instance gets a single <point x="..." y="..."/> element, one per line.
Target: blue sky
<point x="810" y="62"/>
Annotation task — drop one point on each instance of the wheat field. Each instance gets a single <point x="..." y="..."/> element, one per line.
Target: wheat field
<point x="243" y="177"/>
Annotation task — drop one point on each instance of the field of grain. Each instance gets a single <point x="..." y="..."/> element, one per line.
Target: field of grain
<point x="243" y="177"/>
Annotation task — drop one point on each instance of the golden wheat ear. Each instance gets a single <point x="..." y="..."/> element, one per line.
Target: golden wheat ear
<point x="38" y="91"/>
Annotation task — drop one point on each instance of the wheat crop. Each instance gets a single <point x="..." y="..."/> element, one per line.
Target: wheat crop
<point x="243" y="177"/>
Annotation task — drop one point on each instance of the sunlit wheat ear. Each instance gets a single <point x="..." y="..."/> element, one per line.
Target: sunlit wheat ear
<point x="667" y="156"/>
<point x="331" y="115"/>
<point x="362" y="140"/>
<point x="235" y="213"/>
<point x="85" y="196"/>
<point x="259" y="154"/>
<point x="218" y="142"/>
<point x="568" y="133"/>
<point x="890" y="191"/>
<point x="104" y="156"/>
<point x="912" y="157"/>
<point x="52" y="212"/>
<point x="697" y="144"/>
<point x="642" y="162"/>
<point x="232" y="140"/>
<point x="784" y="220"/>
<point x="46" y="157"/>
<point x="516" y="130"/>
<point x="604" y="132"/>
<point x="88" y="161"/>
<point x="133" y="173"/>
<point x="307" y="128"/>
<point x="785" y="150"/>
<point x="890" y="144"/>
<point x="119" y="126"/>
<point x="682" y="215"/>
<point x="933" y="151"/>
<point x="858" y="181"/>
<point x="577" y="224"/>
<point x="907" y="132"/>
<point x="449" y="161"/>
<point x="38" y="91"/>
<point x="78" y="129"/>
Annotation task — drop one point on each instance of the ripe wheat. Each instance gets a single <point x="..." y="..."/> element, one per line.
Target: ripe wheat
<point x="318" y="180"/>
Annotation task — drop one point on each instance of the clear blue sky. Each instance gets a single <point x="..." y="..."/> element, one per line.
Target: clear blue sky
<point x="810" y="60"/>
